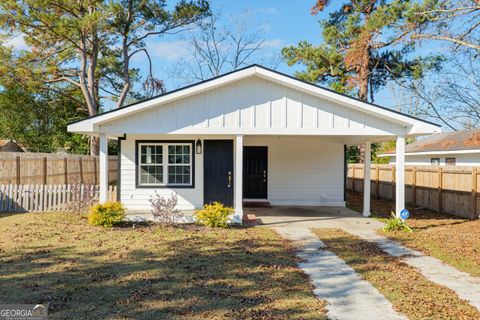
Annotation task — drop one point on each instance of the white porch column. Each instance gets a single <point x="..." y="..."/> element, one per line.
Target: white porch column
<point x="238" y="177"/>
<point x="366" y="179"/>
<point x="400" y="176"/>
<point x="103" y="169"/>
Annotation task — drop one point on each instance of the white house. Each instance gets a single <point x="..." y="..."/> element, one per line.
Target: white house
<point x="461" y="148"/>
<point x="253" y="134"/>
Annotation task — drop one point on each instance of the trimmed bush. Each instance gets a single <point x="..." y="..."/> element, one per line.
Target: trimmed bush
<point x="214" y="215"/>
<point x="396" y="224"/>
<point x="107" y="214"/>
<point x="164" y="210"/>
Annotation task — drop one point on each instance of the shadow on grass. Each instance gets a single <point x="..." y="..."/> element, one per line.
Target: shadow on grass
<point x="194" y="275"/>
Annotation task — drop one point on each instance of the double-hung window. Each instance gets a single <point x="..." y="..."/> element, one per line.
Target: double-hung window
<point x="165" y="164"/>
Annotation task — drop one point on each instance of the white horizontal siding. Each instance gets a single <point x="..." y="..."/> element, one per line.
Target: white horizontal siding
<point x="136" y="199"/>
<point x="252" y="105"/>
<point x="301" y="171"/>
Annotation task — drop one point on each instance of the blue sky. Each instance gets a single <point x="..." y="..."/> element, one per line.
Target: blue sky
<point x="283" y="23"/>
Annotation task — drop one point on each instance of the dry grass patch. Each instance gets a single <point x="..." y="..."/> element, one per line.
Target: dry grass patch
<point x="410" y="292"/>
<point x="151" y="272"/>
<point x="453" y="240"/>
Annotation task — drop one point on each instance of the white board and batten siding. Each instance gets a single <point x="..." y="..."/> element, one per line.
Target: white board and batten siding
<point x="252" y="106"/>
<point x="301" y="171"/>
<point x="304" y="168"/>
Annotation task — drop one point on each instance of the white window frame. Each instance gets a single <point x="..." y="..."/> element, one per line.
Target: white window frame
<point x="164" y="163"/>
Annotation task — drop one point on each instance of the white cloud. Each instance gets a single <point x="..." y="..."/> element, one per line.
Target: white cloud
<point x="274" y="44"/>
<point x="17" y="42"/>
<point x="268" y="10"/>
<point x="170" y="50"/>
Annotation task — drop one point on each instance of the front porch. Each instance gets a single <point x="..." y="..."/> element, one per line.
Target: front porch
<point x="296" y="171"/>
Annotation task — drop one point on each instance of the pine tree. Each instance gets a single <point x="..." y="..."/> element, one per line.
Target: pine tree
<point x="366" y="43"/>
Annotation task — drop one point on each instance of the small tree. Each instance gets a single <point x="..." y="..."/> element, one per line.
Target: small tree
<point x="89" y="45"/>
<point x="165" y="210"/>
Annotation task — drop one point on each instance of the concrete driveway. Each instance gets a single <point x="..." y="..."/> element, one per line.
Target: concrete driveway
<point x="313" y="217"/>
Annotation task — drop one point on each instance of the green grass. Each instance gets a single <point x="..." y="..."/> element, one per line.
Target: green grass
<point x="151" y="272"/>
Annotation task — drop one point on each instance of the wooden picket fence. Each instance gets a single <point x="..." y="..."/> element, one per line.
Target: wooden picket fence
<point x="36" y="198"/>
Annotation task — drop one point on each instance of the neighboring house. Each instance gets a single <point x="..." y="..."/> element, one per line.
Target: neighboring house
<point x="11" y="146"/>
<point x="250" y="135"/>
<point x="461" y="148"/>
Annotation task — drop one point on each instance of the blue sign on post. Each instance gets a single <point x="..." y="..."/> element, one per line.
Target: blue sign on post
<point x="404" y="214"/>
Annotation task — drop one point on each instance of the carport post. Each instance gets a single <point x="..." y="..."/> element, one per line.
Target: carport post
<point x="400" y="176"/>
<point x="366" y="179"/>
<point x="238" y="180"/>
<point x="103" y="168"/>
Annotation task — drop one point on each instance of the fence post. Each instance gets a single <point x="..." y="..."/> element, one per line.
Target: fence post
<point x="377" y="182"/>
<point x="353" y="178"/>
<point x="439" y="188"/>
<point x="473" y="215"/>
<point x="414" y="186"/>
<point x="393" y="183"/>
<point x="65" y="161"/>
<point x="95" y="170"/>
<point x="45" y="168"/>
<point x="81" y="170"/>
<point x="18" y="170"/>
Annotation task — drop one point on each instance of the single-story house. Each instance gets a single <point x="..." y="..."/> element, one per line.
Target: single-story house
<point x="253" y="134"/>
<point x="9" y="145"/>
<point x="460" y="148"/>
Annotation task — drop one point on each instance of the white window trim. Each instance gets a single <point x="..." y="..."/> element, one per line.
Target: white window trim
<point x="164" y="163"/>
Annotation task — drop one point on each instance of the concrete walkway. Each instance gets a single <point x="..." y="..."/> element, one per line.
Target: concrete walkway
<point x="348" y="296"/>
<point x="296" y="218"/>
<point x="466" y="286"/>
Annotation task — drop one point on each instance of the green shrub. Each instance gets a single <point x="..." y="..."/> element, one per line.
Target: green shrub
<point x="396" y="224"/>
<point x="214" y="215"/>
<point x="107" y="214"/>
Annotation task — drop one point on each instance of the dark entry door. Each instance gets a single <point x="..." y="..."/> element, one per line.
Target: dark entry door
<point x="255" y="173"/>
<point x="218" y="171"/>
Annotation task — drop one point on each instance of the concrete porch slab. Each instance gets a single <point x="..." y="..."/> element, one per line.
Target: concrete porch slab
<point x="313" y="217"/>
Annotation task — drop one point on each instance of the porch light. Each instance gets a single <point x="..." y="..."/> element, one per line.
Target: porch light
<point x="198" y="146"/>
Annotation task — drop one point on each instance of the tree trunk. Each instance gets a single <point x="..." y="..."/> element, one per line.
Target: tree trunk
<point x="94" y="146"/>
<point x="363" y="81"/>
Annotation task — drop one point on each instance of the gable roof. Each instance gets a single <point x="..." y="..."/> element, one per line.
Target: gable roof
<point x="89" y="124"/>
<point x="458" y="141"/>
<point x="5" y="143"/>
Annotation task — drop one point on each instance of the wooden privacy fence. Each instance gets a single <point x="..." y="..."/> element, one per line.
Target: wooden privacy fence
<point x="28" y="198"/>
<point x="50" y="169"/>
<point x="447" y="189"/>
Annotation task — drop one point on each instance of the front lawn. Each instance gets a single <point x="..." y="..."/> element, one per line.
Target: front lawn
<point x="455" y="241"/>
<point x="150" y="272"/>
<point x="408" y="290"/>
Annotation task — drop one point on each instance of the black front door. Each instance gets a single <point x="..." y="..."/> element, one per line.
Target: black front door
<point x="255" y="173"/>
<point x="218" y="171"/>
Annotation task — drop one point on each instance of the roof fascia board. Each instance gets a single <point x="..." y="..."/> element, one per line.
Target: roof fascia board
<point x="412" y="125"/>
<point x="422" y="153"/>
<point x="338" y="98"/>
<point x="181" y="93"/>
